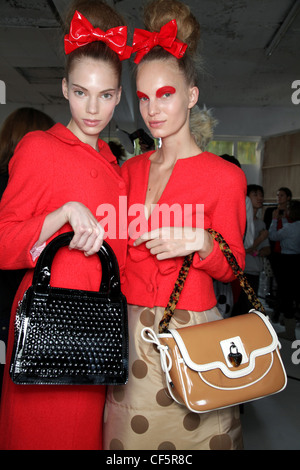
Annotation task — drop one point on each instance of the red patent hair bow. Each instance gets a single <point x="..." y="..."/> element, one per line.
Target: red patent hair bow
<point x="83" y="33"/>
<point x="144" y="41"/>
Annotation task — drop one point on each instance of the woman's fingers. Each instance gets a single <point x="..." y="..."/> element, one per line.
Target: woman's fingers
<point x="88" y="239"/>
<point x="170" y="242"/>
<point x="88" y="232"/>
<point x="94" y="243"/>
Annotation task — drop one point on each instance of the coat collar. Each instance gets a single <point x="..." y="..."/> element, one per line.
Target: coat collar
<point x="62" y="133"/>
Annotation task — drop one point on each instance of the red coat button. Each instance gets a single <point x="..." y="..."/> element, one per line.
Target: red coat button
<point x="94" y="173"/>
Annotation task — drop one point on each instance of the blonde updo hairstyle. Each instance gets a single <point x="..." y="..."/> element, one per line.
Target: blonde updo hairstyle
<point x="156" y="14"/>
<point x="159" y="12"/>
<point x="102" y="16"/>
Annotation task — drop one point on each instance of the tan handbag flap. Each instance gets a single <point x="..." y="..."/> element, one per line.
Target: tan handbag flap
<point x="208" y="346"/>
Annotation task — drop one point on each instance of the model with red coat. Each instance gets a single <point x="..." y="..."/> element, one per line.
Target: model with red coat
<point x="58" y="179"/>
<point x="173" y="182"/>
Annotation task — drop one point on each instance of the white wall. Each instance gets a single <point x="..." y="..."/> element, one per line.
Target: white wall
<point x="259" y="123"/>
<point x="262" y="122"/>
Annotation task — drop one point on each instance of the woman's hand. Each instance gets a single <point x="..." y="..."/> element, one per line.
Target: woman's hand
<point x="171" y="242"/>
<point x="88" y="233"/>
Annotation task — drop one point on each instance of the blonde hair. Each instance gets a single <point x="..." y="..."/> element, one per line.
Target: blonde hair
<point x="156" y="14"/>
<point x="159" y="12"/>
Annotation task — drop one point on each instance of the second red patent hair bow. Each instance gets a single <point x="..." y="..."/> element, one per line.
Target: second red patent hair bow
<point x="144" y="41"/>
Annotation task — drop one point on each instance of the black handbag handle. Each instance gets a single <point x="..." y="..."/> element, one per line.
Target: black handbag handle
<point x="110" y="281"/>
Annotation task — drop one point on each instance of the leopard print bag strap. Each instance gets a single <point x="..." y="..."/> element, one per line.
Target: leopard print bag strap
<point x="174" y="297"/>
<point x="239" y="274"/>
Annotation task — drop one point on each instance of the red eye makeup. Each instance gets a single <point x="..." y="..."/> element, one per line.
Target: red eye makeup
<point x="165" y="89"/>
<point x="141" y="95"/>
<point x="159" y="94"/>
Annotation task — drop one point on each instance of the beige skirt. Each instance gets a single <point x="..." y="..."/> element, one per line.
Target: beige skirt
<point x="141" y="415"/>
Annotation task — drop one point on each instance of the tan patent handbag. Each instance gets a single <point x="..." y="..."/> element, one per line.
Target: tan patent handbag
<point x="221" y="363"/>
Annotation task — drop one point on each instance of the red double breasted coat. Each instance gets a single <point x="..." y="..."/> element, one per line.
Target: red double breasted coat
<point x="47" y="170"/>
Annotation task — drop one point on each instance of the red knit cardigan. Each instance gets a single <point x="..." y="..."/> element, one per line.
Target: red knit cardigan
<point x="203" y="179"/>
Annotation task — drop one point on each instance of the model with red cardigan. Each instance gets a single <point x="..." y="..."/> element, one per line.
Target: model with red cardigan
<point x="178" y="176"/>
<point x="224" y="210"/>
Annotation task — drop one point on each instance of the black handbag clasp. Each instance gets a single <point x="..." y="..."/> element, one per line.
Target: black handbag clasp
<point x="234" y="356"/>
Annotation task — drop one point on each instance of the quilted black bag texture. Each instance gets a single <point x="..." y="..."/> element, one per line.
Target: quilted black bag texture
<point x="71" y="337"/>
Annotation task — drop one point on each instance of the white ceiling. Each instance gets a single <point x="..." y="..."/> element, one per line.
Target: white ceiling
<point x="235" y="37"/>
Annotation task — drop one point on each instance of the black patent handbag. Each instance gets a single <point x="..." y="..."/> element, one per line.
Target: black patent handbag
<point x="67" y="336"/>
